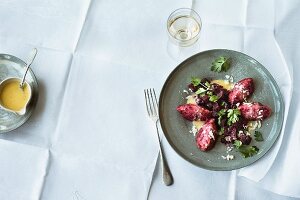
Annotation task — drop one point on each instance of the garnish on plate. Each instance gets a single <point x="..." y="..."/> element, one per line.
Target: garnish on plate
<point x="201" y="91"/>
<point x="225" y="111"/>
<point x="220" y="64"/>
<point x="248" y="151"/>
<point x="258" y="136"/>
<point x="195" y="81"/>
<point x="233" y="116"/>
<point x="237" y="144"/>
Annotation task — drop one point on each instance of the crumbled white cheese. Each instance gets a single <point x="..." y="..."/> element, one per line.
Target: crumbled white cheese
<point x="185" y="91"/>
<point x="258" y="124"/>
<point x="211" y="134"/>
<point x="229" y="148"/>
<point x="229" y="78"/>
<point x="228" y="157"/>
<point x="190" y="90"/>
<point x="194" y="130"/>
<point x="228" y="138"/>
<point x="260" y="114"/>
<point x="238" y="104"/>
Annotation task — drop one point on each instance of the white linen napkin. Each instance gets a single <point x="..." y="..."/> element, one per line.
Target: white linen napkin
<point x="23" y="169"/>
<point x="274" y="62"/>
<point x="283" y="176"/>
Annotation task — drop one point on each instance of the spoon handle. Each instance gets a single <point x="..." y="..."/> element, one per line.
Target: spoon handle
<point x="29" y="62"/>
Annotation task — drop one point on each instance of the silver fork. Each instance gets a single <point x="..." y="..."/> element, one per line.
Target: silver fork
<point x="152" y="109"/>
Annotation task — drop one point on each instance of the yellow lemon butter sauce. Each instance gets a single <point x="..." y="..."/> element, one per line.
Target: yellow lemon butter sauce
<point x="190" y="99"/>
<point x="13" y="97"/>
<point x="225" y="83"/>
<point x="198" y="124"/>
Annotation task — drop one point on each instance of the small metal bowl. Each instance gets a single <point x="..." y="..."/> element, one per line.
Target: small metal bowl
<point x="11" y="66"/>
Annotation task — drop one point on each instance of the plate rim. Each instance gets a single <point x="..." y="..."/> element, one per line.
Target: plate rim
<point x="37" y="93"/>
<point x="259" y="156"/>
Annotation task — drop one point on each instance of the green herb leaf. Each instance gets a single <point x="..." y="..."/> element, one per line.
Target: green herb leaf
<point x="195" y="81"/>
<point x="207" y="84"/>
<point x="209" y="93"/>
<point x="223" y="103"/>
<point x="258" y="136"/>
<point x="219" y="120"/>
<point x="233" y="116"/>
<point x="213" y="98"/>
<point x="220" y="64"/>
<point x="221" y="113"/>
<point x="201" y="91"/>
<point x="248" y="151"/>
<point x="237" y="144"/>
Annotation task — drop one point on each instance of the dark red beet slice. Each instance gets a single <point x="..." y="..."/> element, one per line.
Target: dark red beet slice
<point x="193" y="112"/>
<point x="244" y="138"/>
<point x="241" y="90"/>
<point x="254" y="111"/>
<point x="207" y="135"/>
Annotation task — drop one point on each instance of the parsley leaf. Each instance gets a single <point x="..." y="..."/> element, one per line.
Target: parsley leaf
<point x="233" y="116"/>
<point x="219" y="120"/>
<point x="207" y="84"/>
<point x="200" y="91"/>
<point x="220" y="64"/>
<point x="195" y="81"/>
<point x="221" y="113"/>
<point x="237" y="144"/>
<point x="248" y="151"/>
<point x="223" y="103"/>
<point x="258" y="136"/>
<point x="209" y="93"/>
<point x="213" y="98"/>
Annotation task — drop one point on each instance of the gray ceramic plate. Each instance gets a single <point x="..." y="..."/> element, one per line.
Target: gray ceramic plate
<point x="11" y="66"/>
<point x="176" y="129"/>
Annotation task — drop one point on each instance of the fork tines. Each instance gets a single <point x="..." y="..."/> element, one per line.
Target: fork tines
<point x="151" y="102"/>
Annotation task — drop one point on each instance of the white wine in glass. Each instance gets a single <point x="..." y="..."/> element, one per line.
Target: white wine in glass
<point x="184" y="26"/>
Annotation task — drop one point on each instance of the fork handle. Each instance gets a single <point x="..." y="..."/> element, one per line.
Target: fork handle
<point x="166" y="173"/>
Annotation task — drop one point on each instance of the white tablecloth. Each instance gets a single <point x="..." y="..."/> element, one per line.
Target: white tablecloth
<point x="89" y="137"/>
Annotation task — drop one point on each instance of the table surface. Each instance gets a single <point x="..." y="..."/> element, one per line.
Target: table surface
<point x="89" y="137"/>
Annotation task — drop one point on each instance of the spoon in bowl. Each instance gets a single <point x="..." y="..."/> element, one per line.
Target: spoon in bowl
<point x="29" y="62"/>
<point x="22" y="90"/>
